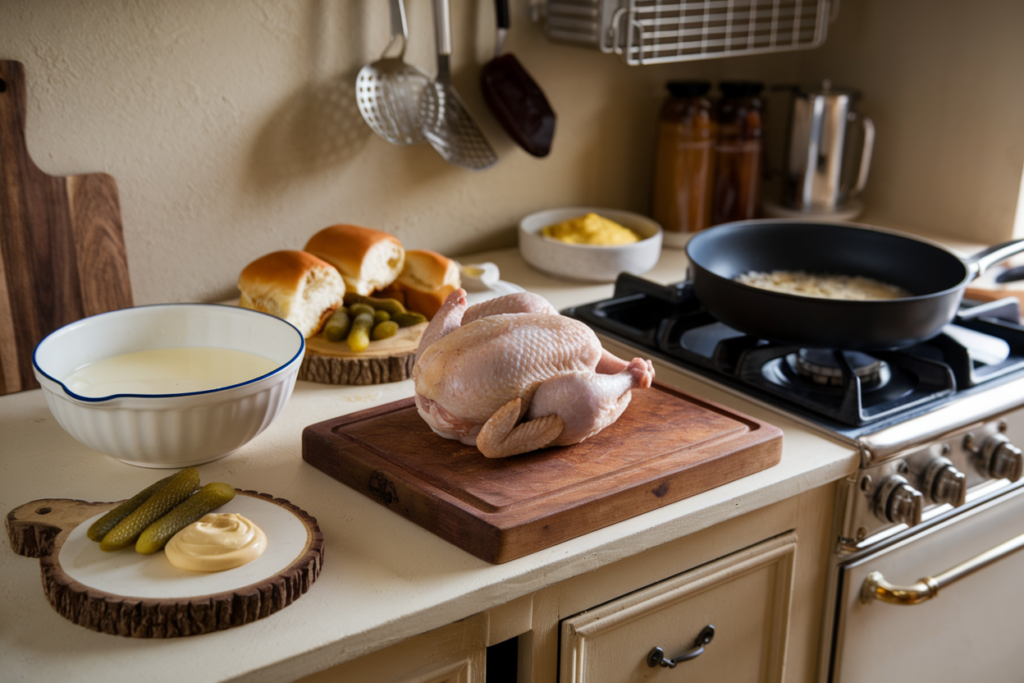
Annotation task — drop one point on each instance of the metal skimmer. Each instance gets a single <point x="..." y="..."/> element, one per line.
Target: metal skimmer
<point x="447" y="125"/>
<point x="388" y="91"/>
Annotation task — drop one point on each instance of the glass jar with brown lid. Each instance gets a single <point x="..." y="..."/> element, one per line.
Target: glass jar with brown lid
<point x="738" y="154"/>
<point x="684" y="161"/>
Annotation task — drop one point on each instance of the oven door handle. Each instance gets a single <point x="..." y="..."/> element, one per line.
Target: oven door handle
<point x="877" y="588"/>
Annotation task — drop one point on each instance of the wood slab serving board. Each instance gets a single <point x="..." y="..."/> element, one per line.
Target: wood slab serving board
<point x="667" y="446"/>
<point x="386" y="360"/>
<point x="144" y="596"/>
<point x="62" y="253"/>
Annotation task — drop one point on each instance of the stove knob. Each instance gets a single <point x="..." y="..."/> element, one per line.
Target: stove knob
<point x="898" y="502"/>
<point x="998" y="458"/>
<point x="944" y="483"/>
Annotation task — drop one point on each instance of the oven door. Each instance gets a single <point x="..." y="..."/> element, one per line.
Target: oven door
<point x="970" y="630"/>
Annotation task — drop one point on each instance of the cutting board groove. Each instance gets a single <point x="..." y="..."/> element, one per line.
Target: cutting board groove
<point x="667" y="446"/>
<point x="62" y="253"/>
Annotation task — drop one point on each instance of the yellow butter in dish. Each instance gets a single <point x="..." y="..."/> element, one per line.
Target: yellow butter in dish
<point x="217" y="542"/>
<point x="591" y="229"/>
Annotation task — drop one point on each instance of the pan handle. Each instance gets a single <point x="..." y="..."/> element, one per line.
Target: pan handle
<point x="985" y="259"/>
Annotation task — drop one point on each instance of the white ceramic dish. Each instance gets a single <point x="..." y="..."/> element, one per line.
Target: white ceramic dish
<point x="169" y="430"/>
<point x="586" y="263"/>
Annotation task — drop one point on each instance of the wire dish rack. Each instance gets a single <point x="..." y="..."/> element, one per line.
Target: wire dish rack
<point x="657" y="31"/>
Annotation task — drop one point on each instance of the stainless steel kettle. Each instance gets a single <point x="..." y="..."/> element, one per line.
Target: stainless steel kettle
<point x="819" y="178"/>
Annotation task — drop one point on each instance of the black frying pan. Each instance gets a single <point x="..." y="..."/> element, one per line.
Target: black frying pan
<point x="934" y="276"/>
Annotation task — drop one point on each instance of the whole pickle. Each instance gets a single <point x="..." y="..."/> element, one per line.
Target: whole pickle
<point x="337" y="325"/>
<point x="409" y="319"/>
<point x="102" y="526"/>
<point x="359" y="335"/>
<point x="392" y="306"/>
<point x="386" y="329"/>
<point x="357" y="309"/>
<point x="380" y="316"/>
<point x="208" y="498"/>
<point x="181" y="486"/>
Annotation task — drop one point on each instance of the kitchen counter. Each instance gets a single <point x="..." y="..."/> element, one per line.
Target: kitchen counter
<point x="384" y="579"/>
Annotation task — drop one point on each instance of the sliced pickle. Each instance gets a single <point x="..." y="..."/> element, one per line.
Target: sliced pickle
<point x="181" y="486"/>
<point x="102" y="526"/>
<point x="208" y="498"/>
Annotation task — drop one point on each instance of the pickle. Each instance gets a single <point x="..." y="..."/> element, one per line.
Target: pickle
<point x="380" y="316"/>
<point x="359" y="335"/>
<point x="181" y="486"/>
<point x="358" y="309"/>
<point x="192" y="509"/>
<point x="386" y="329"/>
<point x="392" y="306"/>
<point x="102" y="526"/>
<point x="409" y="319"/>
<point x="337" y="325"/>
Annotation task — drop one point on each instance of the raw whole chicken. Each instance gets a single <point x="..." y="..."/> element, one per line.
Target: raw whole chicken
<point x="511" y="375"/>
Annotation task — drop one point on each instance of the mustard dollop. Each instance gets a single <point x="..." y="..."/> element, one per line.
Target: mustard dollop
<point x="217" y="542"/>
<point x="591" y="229"/>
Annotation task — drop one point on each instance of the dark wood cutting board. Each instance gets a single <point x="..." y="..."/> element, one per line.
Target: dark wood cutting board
<point x="62" y="254"/>
<point x="667" y="446"/>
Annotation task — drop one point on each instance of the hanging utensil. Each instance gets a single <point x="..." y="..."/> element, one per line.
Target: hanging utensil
<point x="447" y="125"/>
<point x="388" y="91"/>
<point x="514" y="97"/>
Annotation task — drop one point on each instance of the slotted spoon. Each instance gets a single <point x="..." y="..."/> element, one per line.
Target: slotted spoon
<point x="388" y="91"/>
<point x="446" y="123"/>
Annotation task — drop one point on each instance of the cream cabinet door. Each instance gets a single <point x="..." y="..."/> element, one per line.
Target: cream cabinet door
<point x="456" y="653"/>
<point x="745" y="597"/>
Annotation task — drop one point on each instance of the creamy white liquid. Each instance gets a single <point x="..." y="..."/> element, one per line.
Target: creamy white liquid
<point x="167" y="371"/>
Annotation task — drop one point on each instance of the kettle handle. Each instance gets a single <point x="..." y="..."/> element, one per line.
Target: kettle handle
<point x="865" y="153"/>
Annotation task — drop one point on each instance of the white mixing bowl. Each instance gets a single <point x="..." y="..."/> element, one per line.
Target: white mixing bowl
<point x="584" y="262"/>
<point x="169" y="430"/>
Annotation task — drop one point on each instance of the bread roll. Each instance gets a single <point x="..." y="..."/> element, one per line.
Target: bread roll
<point x="367" y="259"/>
<point x="293" y="285"/>
<point x="427" y="279"/>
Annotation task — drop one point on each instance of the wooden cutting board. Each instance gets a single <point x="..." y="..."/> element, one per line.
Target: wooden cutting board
<point x="62" y="254"/>
<point x="667" y="446"/>
<point x="143" y="596"/>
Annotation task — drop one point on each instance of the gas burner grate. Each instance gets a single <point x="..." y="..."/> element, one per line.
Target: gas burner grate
<point x="983" y="344"/>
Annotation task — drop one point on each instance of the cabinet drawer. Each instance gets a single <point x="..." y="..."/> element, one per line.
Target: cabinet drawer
<point x="744" y="596"/>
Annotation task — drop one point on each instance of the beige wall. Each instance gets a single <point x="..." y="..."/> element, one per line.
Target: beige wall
<point x="232" y="130"/>
<point x="944" y="84"/>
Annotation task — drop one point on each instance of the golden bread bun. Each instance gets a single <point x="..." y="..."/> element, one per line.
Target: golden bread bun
<point x="293" y="285"/>
<point x="427" y="279"/>
<point x="427" y="303"/>
<point x="392" y="291"/>
<point x="428" y="271"/>
<point x="367" y="259"/>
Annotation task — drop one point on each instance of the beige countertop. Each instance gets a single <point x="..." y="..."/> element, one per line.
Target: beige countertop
<point x="384" y="579"/>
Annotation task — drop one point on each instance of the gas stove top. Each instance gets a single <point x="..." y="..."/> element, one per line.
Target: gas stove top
<point x="846" y="393"/>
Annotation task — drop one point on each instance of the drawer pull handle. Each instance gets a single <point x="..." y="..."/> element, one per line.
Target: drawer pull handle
<point x="656" y="657"/>
<point x="875" y="586"/>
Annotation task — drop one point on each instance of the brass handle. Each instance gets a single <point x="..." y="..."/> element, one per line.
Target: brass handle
<point x="877" y="588"/>
<point x="656" y="657"/>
